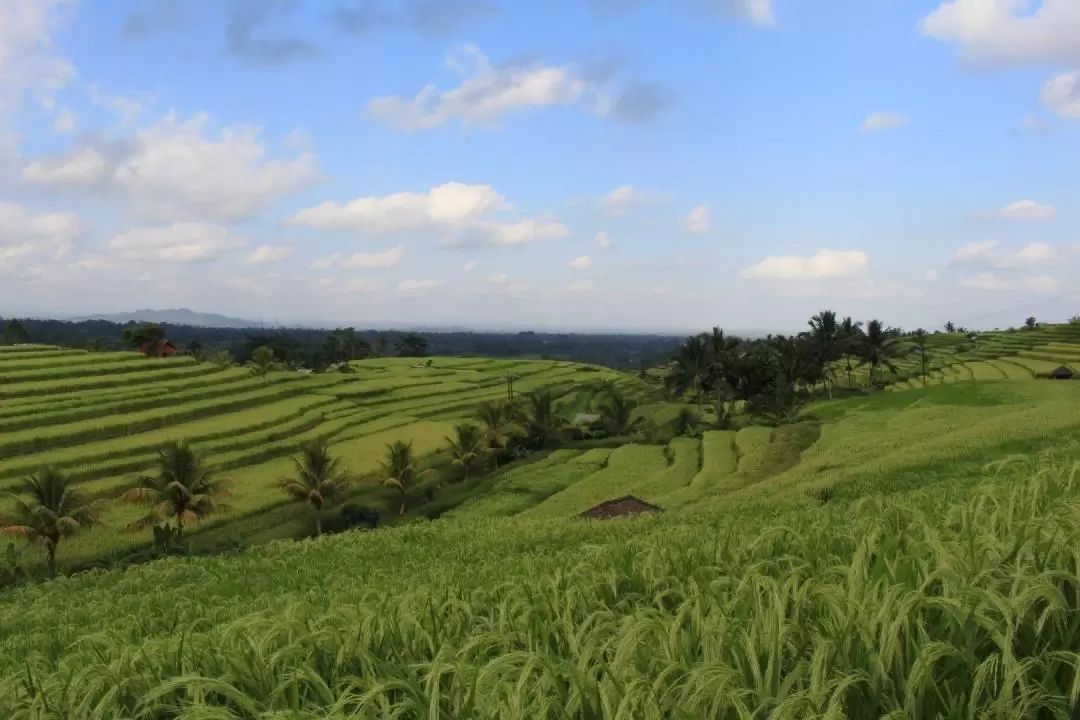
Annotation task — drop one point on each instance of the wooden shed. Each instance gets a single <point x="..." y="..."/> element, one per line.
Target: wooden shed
<point x="620" y="507"/>
<point x="1061" y="373"/>
<point x="161" y="348"/>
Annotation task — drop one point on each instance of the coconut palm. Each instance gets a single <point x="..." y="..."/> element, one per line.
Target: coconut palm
<point x="617" y="415"/>
<point x="849" y="342"/>
<point x="317" y="478"/>
<point x="263" y="361"/>
<point x="692" y="368"/>
<point x="879" y="349"/>
<point x="467" y="448"/>
<point x="543" y="425"/>
<point x="182" y="489"/>
<point x="825" y="334"/>
<point x="221" y="358"/>
<point x="497" y="426"/>
<point x="399" y="470"/>
<point x="47" y="509"/>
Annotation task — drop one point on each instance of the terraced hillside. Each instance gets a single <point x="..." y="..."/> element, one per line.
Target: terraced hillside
<point x="101" y="416"/>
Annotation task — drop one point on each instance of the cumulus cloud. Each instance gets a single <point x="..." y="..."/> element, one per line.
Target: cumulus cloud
<point x="29" y="59"/>
<point x="375" y="261"/>
<point x="489" y="92"/>
<point x="580" y="263"/>
<point x="621" y="201"/>
<point x="697" y="221"/>
<point x="823" y="264"/>
<point x="602" y="240"/>
<point x="463" y="213"/>
<point x="24" y="232"/>
<point x="325" y="263"/>
<point x="177" y="243"/>
<point x="990" y="281"/>
<point x="1000" y="33"/>
<point x="883" y="121"/>
<point x="64" y="122"/>
<point x="172" y="172"/>
<point x="989" y="254"/>
<point x="269" y="254"/>
<point x="470" y="266"/>
<point x="1061" y="95"/>
<point x="1023" y="210"/>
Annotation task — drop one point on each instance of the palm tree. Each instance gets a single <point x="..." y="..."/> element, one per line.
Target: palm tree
<point x="263" y="361"/>
<point x="879" y="348"/>
<point x="849" y="342"/>
<point x="53" y="511"/>
<point x="181" y="489"/>
<point x="467" y="448"/>
<point x="825" y="332"/>
<point x="617" y="415"/>
<point x="496" y="426"/>
<point x="221" y="358"/>
<point x="543" y="425"/>
<point x="691" y="368"/>
<point x="318" y="478"/>
<point x="920" y="348"/>
<point x="399" y="470"/>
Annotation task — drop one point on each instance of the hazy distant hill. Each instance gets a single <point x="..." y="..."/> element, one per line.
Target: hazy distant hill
<point x="180" y="316"/>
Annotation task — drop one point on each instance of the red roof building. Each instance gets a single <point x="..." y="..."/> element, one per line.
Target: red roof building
<point x="162" y="348"/>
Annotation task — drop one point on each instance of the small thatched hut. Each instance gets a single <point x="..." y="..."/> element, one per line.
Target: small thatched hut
<point x="619" y="507"/>
<point x="1061" y="373"/>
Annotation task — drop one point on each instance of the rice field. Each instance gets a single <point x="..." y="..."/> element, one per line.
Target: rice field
<point x="100" y="417"/>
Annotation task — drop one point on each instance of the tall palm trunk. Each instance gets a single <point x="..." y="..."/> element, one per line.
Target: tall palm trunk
<point x="401" y="507"/>
<point x="318" y="523"/>
<point x="50" y="551"/>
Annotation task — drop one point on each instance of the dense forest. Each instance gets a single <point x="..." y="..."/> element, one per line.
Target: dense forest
<point x="314" y="348"/>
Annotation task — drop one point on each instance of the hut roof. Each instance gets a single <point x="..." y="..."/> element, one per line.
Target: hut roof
<point x="1061" y="372"/>
<point x="620" y="507"/>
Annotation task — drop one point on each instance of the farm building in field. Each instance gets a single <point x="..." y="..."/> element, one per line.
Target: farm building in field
<point x="161" y="348"/>
<point x="1061" y="373"/>
<point x="619" y="507"/>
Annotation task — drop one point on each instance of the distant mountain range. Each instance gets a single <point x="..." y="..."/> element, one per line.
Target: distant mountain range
<point x="179" y="316"/>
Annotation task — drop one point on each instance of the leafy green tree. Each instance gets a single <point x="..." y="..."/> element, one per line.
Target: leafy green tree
<point x="399" y="470"/>
<point x="15" y="333"/>
<point x="146" y="337"/>
<point x="467" y="448"/>
<point x="263" y="361"/>
<point x="381" y="347"/>
<point x="196" y="350"/>
<point x="879" y="349"/>
<point x="182" y="489"/>
<point x="222" y="359"/>
<point x="950" y="327"/>
<point x="412" y="345"/>
<point x="686" y="423"/>
<point x="96" y="344"/>
<point x="543" y="425"/>
<point x="317" y="478"/>
<point x="617" y="415"/>
<point x="692" y="368"/>
<point x="48" y="509"/>
<point x="1030" y="323"/>
<point x="919" y="336"/>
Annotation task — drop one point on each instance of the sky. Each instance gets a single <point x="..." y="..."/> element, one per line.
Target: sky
<point x="559" y="164"/>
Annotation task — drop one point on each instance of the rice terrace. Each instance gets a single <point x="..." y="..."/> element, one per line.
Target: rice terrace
<point x="801" y="544"/>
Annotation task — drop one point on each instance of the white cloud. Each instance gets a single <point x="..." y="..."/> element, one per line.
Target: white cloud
<point x="602" y="240"/>
<point x="932" y="275"/>
<point x="823" y="264"/>
<point x="25" y="232"/>
<point x="697" y="221"/>
<point x="500" y="279"/>
<point x="82" y="167"/>
<point x="29" y="60"/>
<point x="324" y="282"/>
<point x="488" y="92"/>
<point x="883" y="121"/>
<point x="470" y="266"/>
<point x="413" y="285"/>
<point x="580" y="263"/>
<point x="1000" y="33"/>
<point x="173" y="171"/>
<point x="1023" y="210"/>
<point x="462" y="211"/>
<point x="621" y="200"/>
<point x="325" y="263"/>
<point x="990" y="281"/>
<point x="1061" y="95"/>
<point x="178" y="243"/>
<point x="373" y="261"/>
<point x="64" y="122"/>
<point x="989" y="254"/>
<point x="268" y="254"/>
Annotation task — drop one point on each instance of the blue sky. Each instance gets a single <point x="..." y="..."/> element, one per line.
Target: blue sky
<point x="592" y="164"/>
